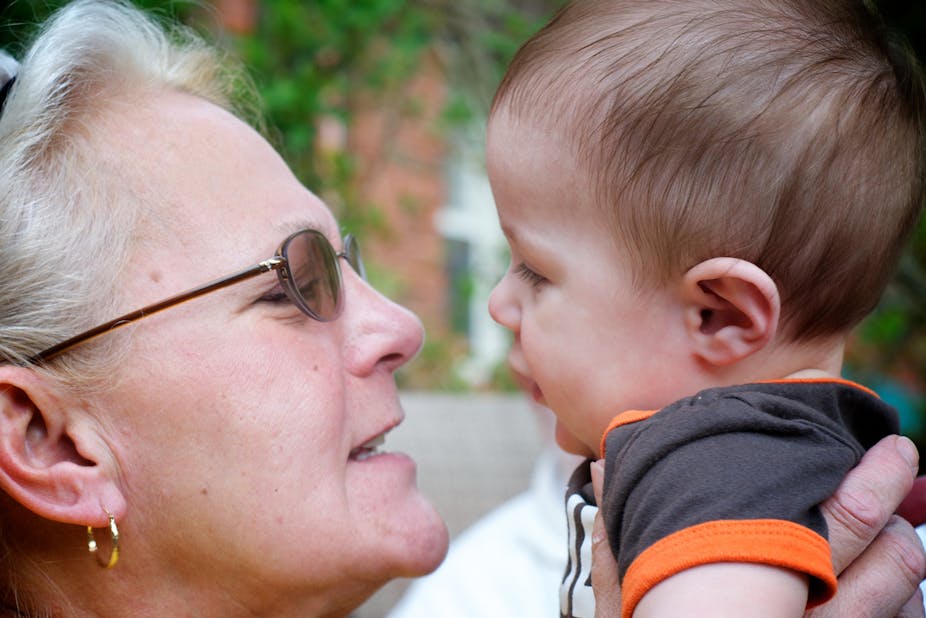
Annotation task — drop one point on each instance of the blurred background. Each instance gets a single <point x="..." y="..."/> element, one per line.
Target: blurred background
<point x="379" y="106"/>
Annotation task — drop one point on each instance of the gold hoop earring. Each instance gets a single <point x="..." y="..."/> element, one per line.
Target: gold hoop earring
<point x="114" y="536"/>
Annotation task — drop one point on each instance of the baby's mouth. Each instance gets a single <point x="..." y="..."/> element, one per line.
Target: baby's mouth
<point x="537" y="394"/>
<point x="528" y="386"/>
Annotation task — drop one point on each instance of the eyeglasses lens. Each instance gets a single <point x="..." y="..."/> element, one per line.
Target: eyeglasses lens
<point x="316" y="281"/>
<point x="352" y="252"/>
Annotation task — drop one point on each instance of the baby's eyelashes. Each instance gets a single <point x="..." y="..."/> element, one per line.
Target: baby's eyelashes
<point x="524" y="272"/>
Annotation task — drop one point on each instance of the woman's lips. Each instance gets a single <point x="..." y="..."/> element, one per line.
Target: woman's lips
<point x="368" y="449"/>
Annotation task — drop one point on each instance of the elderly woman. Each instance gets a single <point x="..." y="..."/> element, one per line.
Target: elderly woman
<point x="230" y="440"/>
<point x="196" y="378"/>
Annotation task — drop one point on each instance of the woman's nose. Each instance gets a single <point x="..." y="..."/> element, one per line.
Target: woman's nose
<point x="381" y="334"/>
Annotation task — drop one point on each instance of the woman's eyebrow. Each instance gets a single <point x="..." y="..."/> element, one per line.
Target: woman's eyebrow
<point x="328" y="228"/>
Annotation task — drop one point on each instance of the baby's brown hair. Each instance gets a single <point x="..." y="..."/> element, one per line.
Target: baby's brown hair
<point x="788" y="133"/>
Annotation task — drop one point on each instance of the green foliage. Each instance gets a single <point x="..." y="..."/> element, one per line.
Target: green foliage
<point x="315" y="59"/>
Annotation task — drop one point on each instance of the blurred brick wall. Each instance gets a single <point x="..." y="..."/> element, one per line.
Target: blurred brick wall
<point x="401" y="171"/>
<point x="236" y="15"/>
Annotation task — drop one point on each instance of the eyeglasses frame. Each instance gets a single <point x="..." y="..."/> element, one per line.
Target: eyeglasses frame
<point x="276" y="262"/>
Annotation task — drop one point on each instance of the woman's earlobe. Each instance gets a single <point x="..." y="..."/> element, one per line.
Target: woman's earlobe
<point x="42" y="466"/>
<point x="732" y="310"/>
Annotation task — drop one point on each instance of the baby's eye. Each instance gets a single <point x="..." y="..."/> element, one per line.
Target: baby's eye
<point x="524" y="272"/>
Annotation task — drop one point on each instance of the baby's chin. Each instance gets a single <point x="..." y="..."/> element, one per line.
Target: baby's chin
<point x="571" y="444"/>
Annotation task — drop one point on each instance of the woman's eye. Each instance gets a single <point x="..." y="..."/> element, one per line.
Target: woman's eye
<point x="312" y="290"/>
<point x="275" y="296"/>
<point x="528" y="275"/>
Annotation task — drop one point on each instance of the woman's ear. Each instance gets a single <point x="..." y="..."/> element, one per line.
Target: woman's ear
<point x="52" y="461"/>
<point x="732" y="309"/>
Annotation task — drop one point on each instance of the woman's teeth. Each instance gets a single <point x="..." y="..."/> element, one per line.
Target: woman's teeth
<point x="368" y="449"/>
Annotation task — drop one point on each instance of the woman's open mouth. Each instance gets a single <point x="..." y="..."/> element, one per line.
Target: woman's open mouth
<point x="368" y="449"/>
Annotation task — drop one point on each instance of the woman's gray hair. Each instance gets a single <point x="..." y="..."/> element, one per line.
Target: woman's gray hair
<point x="66" y="218"/>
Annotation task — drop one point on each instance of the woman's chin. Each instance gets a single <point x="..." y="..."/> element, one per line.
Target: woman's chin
<point x="401" y="534"/>
<point x="425" y="545"/>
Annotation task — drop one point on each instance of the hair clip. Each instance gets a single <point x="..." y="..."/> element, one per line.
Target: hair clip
<point x="9" y="68"/>
<point x="4" y="91"/>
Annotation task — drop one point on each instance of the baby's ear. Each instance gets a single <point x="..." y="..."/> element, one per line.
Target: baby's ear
<point x="52" y="461"/>
<point x="732" y="310"/>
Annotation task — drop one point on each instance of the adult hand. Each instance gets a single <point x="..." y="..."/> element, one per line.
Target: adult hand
<point x="605" y="582"/>
<point x="877" y="555"/>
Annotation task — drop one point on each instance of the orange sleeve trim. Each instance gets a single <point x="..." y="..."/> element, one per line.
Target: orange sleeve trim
<point x="624" y="418"/>
<point x="633" y="416"/>
<point x="824" y="381"/>
<point x="762" y="541"/>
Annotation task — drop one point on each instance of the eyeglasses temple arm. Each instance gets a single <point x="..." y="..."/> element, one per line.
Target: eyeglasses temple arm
<point x="265" y="266"/>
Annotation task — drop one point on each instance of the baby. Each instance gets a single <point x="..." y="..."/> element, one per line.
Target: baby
<point x="702" y="198"/>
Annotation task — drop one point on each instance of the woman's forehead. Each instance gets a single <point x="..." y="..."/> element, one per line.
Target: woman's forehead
<point x="217" y="194"/>
<point x="203" y="169"/>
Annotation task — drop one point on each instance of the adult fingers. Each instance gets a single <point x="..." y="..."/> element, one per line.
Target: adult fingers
<point x="868" y="496"/>
<point x="605" y="581"/>
<point x="883" y="582"/>
<point x="914" y="607"/>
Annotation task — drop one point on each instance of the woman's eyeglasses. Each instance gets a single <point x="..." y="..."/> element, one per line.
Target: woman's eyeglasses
<point x="309" y="273"/>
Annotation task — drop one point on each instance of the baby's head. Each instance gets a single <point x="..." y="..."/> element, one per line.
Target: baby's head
<point x="786" y="134"/>
<point x="776" y="132"/>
